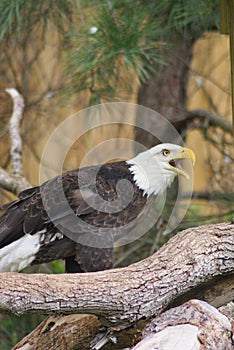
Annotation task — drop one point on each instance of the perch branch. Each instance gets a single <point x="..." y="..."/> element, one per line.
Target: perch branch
<point x="197" y="262"/>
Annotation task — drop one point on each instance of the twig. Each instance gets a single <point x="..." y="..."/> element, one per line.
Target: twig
<point x="14" y="131"/>
<point x="212" y="118"/>
<point x="209" y="195"/>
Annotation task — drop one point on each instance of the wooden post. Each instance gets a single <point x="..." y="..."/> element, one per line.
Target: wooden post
<point x="227" y="27"/>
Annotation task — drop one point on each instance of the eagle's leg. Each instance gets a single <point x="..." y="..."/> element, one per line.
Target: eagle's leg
<point x="72" y="266"/>
<point x="89" y="259"/>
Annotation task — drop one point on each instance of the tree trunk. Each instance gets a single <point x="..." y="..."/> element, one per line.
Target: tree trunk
<point x="197" y="262"/>
<point x="165" y="93"/>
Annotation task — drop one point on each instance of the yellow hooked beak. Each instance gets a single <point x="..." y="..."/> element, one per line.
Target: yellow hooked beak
<point x="175" y="162"/>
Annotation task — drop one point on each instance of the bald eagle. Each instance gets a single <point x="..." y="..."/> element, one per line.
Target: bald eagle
<point x="77" y="216"/>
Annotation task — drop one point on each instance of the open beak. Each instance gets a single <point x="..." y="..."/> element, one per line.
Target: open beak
<point x="176" y="162"/>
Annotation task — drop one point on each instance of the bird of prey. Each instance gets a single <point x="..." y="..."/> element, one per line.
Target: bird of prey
<point x="77" y="216"/>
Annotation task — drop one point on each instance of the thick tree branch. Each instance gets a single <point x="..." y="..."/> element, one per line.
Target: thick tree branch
<point x="196" y="261"/>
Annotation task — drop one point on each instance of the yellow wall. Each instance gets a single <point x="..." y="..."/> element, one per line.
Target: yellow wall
<point x="209" y="88"/>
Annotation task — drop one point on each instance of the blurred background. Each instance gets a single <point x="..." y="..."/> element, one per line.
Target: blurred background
<point x="64" y="56"/>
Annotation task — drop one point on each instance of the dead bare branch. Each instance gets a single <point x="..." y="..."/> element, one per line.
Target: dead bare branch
<point x="14" y="181"/>
<point x="14" y="131"/>
<point x="210" y="118"/>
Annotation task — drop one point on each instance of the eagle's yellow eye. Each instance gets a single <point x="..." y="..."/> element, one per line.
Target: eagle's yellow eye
<point x="165" y="152"/>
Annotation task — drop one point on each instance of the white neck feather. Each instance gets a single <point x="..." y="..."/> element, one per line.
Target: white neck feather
<point x="148" y="175"/>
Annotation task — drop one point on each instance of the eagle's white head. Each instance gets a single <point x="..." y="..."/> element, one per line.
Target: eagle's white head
<point x="155" y="169"/>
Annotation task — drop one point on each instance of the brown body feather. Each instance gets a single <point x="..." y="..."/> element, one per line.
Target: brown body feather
<point x="54" y="207"/>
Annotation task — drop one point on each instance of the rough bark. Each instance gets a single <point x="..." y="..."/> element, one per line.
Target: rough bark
<point x="198" y="262"/>
<point x="56" y="332"/>
<point x="166" y="92"/>
<point x="194" y="325"/>
<point x="78" y="332"/>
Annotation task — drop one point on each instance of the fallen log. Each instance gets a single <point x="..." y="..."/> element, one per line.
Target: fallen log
<point x="61" y="332"/>
<point x="194" y="325"/>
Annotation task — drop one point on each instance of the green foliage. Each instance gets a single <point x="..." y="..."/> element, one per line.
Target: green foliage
<point x="19" y="17"/>
<point x="128" y="42"/>
<point x="123" y="46"/>
<point x="56" y="266"/>
<point x="200" y="14"/>
<point x="14" y="328"/>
